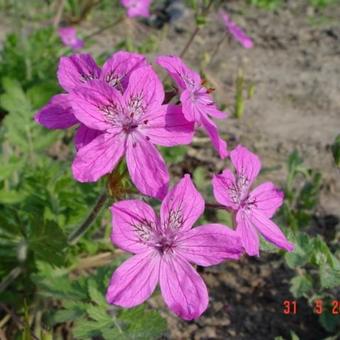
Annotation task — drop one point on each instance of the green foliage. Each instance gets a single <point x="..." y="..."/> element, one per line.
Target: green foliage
<point x="243" y="90"/>
<point x="315" y="261"/>
<point x="266" y="4"/>
<point x="336" y="151"/>
<point x="322" y="3"/>
<point x="84" y="303"/>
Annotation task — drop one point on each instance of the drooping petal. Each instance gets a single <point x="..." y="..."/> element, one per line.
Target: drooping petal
<point x="144" y="93"/>
<point x="247" y="166"/>
<point x="225" y="189"/>
<point x="248" y="234"/>
<point x="169" y="127"/>
<point x="179" y="72"/>
<point x="96" y="104"/>
<point x="199" y="103"/>
<point x="266" y="198"/>
<point x="183" y="290"/>
<point x="236" y="31"/>
<point x="133" y="223"/>
<point x="134" y="281"/>
<point x="219" y="144"/>
<point x="117" y="69"/>
<point x="57" y="114"/>
<point x="76" y="70"/>
<point x="182" y="206"/>
<point x="209" y="244"/>
<point x="270" y="231"/>
<point x="98" y="158"/>
<point x="146" y="166"/>
<point x="84" y="136"/>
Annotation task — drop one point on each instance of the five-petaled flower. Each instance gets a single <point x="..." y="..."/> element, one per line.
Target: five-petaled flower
<point x="255" y="209"/>
<point x="68" y="36"/>
<point x="196" y="100"/>
<point x="137" y="8"/>
<point x="130" y="124"/>
<point x="77" y="70"/>
<point x="164" y="248"/>
<point x="236" y="31"/>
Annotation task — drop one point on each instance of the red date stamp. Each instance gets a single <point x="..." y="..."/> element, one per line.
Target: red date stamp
<point x="290" y="307"/>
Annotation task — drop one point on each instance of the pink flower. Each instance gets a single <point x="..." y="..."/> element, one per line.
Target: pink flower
<point x="255" y="209"/>
<point x="130" y="124"/>
<point x="164" y="247"/>
<point x="236" y="31"/>
<point x="196" y="101"/>
<point x="137" y="8"/>
<point x="75" y="71"/>
<point x="68" y="36"/>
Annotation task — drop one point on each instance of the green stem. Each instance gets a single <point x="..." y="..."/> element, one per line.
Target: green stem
<point x="102" y="29"/>
<point x="84" y="227"/>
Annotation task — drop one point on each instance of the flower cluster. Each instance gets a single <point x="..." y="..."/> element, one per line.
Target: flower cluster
<point x="120" y="111"/>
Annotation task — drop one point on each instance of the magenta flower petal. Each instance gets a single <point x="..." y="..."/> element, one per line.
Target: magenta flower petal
<point x="248" y="234"/>
<point x="169" y="128"/>
<point x="225" y="190"/>
<point x="183" y="290"/>
<point x="76" y="70"/>
<point x="267" y="198"/>
<point x="182" y="206"/>
<point x="68" y="36"/>
<point x="98" y="158"/>
<point x="93" y="105"/>
<point x="236" y="31"/>
<point x="179" y="72"/>
<point x="134" y="281"/>
<point x="117" y="69"/>
<point x="210" y="244"/>
<point x="219" y="144"/>
<point x="144" y="91"/>
<point x="57" y="114"/>
<point x="147" y="168"/>
<point x="84" y="136"/>
<point x="247" y="166"/>
<point x="137" y="8"/>
<point x="133" y="223"/>
<point x="270" y="231"/>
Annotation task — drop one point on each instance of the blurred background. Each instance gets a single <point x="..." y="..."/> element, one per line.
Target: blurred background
<point x="283" y="99"/>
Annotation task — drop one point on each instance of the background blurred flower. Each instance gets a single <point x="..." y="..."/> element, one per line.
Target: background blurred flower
<point x="68" y="36"/>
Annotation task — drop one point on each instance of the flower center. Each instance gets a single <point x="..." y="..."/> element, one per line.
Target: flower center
<point x="164" y="244"/>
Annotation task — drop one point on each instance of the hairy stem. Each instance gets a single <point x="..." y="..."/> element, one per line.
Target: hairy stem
<point x="216" y="206"/>
<point x="195" y="32"/>
<point x="84" y="227"/>
<point x="102" y="29"/>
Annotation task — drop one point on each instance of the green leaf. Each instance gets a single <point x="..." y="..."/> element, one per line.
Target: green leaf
<point x="96" y="296"/>
<point x="141" y="323"/>
<point x="48" y="241"/>
<point x="329" y="277"/>
<point x="300" y="286"/>
<point x="336" y="151"/>
<point x="12" y="197"/>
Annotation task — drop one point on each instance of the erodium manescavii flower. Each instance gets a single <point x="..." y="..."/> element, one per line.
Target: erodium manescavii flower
<point x="254" y="209"/>
<point x="131" y="123"/>
<point x="196" y="101"/>
<point x="236" y="31"/>
<point x="68" y="36"/>
<point x="164" y="248"/>
<point x="137" y="8"/>
<point x="75" y="71"/>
